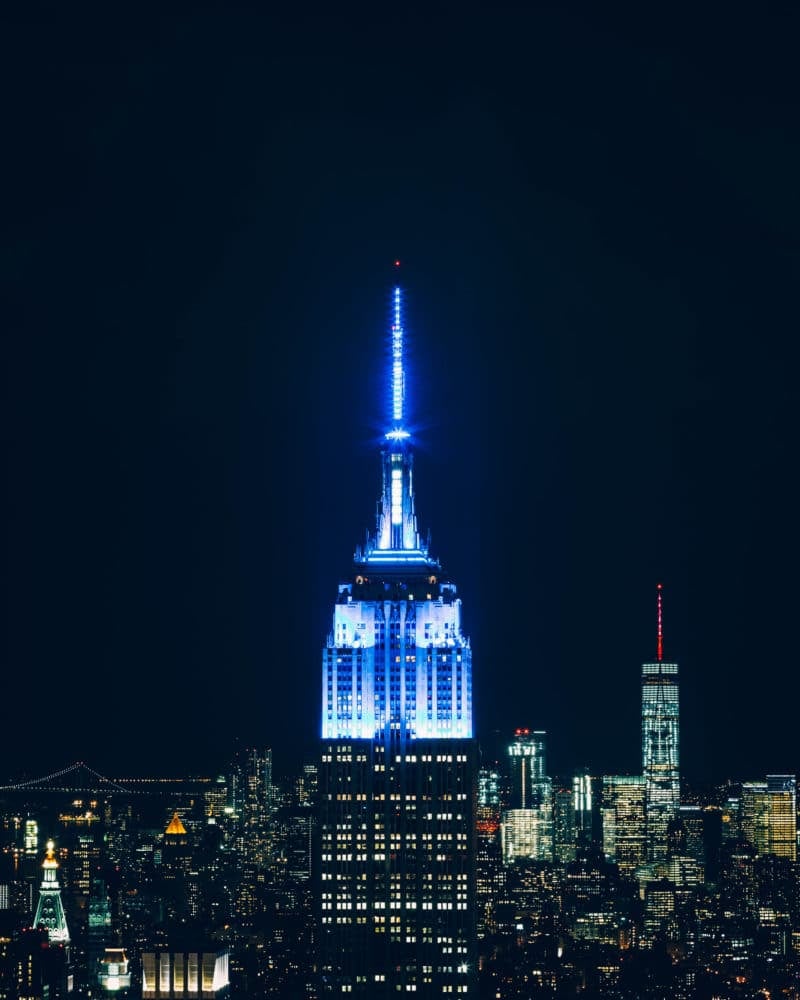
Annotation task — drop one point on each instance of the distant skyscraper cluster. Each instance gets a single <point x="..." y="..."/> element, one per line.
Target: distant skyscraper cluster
<point x="630" y="815"/>
<point x="584" y="882"/>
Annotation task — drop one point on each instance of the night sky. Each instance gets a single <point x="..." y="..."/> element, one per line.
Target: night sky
<point x="599" y="224"/>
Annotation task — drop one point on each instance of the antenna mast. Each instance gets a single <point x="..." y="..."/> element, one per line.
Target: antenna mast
<point x="660" y="626"/>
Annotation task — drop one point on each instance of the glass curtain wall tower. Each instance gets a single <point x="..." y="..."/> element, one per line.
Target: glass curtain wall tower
<point x="398" y="762"/>
<point x="624" y="834"/>
<point x="660" y="732"/>
<point x="527" y="825"/>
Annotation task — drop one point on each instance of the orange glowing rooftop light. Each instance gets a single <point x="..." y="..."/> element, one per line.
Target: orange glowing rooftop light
<point x="176" y="828"/>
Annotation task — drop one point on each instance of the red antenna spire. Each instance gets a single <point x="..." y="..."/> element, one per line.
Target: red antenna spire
<point x="660" y="627"/>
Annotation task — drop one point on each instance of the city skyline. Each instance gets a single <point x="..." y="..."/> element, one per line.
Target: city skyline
<point x="396" y="531"/>
<point x="223" y="876"/>
<point x="598" y="257"/>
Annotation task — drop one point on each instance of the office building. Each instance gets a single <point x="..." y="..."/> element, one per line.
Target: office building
<point x="114" y="974"/>
<point x="397" y="781"/>
<point x="99" y="925"/>
<point x="54" y="972"/>
<point x="782" y="792"/>
<point x="769" y="815"/>
<point x="179" y="973"/>
<point x="40" y="970"/>
<point x="583" y="803"/>
<point x="49" y="909"/>
<point x="660" y="742"/>
<point x="659" y="905"/>
<point x="564" y="841"/>
<point x="623" y="811"/>
<point x="527" y="825"/>
<point x="527" y="767"/>
<point x="489" y="873"/>
<point x="252" y="796"/>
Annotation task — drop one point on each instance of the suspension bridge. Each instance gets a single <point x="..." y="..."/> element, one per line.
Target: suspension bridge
<point x="81" y="779"/>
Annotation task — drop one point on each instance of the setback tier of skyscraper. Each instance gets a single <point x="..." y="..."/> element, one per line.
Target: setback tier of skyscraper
<point x="398" y="760"/>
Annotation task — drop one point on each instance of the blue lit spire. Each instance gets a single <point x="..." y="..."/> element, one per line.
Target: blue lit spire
<point x="397" y="371"/>
<point x="396" y="540"/>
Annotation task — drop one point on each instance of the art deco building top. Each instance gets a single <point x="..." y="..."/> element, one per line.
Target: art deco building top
<point x="175" y="827"/>
<point x="397" y="660"/>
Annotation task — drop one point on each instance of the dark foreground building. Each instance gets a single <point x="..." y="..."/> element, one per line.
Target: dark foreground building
<point x="398" y="762"/>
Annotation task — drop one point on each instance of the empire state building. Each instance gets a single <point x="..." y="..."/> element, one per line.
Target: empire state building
<point x="398" y="759"/>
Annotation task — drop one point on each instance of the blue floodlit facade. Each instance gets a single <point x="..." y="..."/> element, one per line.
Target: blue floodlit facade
<point x="398" y="760"/>
<point x="397" y="658"/>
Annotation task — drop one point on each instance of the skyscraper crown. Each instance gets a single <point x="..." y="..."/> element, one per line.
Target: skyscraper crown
<point x="397" y="661"/>
<point x="396" y="541"/>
